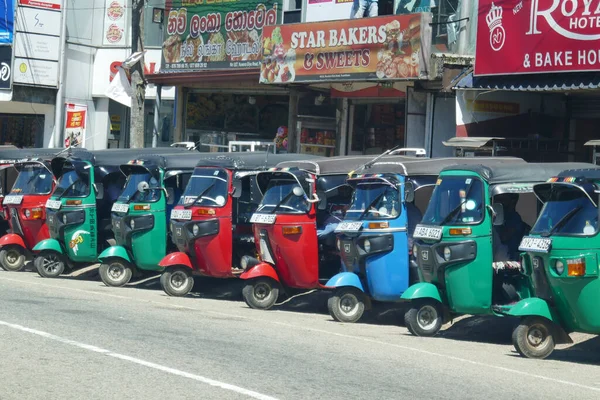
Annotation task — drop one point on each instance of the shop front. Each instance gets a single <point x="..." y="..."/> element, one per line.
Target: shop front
<point x="535" y="81"/>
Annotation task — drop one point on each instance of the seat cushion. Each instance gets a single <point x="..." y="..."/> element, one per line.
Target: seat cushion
<point x="507" y="266"/>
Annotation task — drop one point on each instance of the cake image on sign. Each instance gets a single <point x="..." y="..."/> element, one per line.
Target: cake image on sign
<point x="494" y="22"/>
<point x="115" y="11"/>
<point x="114" y="34"/>
<point x="172" y="49"/>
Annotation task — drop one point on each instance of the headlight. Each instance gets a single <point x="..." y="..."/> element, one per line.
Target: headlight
<point x="337" y="243"/>
<point x="447" y="253"/>
<point x="132" y="224"/>
<point x="560" y="267"/>
<point x="414" y="249"/>
<point x="195" y="230"/>
<point x="265" y="254"/>
<point x="27" y="213"/>
<point x="367" y="245"/>
<point x="65" y="219"/>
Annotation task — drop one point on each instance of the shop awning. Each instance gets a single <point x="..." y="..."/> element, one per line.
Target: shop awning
<point x="189" y="78"/>
<point x="531" y="82"/>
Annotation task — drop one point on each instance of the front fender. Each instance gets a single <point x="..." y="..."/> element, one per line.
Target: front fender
<point x="531" y="307"/>
<point x="12" y="239"/>
<point x="422" y="290"/>
<point x="345" y="279"/>
<point x="114" y="252"/>
<point x="173" y="259"/>
<point x="49" y="244"/>
<point x="261" y="270"/>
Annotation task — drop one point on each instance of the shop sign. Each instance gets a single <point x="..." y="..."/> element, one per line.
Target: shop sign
<point x="115" y="19"/>
<point x="47" y="4"/>
<point x="499" y="107"/>
<point x="382" y="48"/>
<point x="328" y="10"/>
<point x="537" y="36"/>
<point x="368" y="89"/>
<point x="5" y="67"/>
<point x="216" y="35"/>
<point x="75" y="125"/>
<point x="35" y="72"/>
<point x="7" y="20"/>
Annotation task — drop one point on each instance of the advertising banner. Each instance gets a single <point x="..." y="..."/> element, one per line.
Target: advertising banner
<point x="382" y="48"/>
<point x="7" y="21"/>
<point x="75" y="125"/>
<point x="216" y="35"/>
<point x="5" y="67"/>
<point x="115" y="21"/>
<point x="537" y="36"/>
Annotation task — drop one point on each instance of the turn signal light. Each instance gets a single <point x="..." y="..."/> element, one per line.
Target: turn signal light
<point x="37" y="213"/>
<point x="205" y="211"/>
<point x="576" y="267"/>
<point x="141" y="207"/>
<point x="292" y="230"/>
<point x="379" y="225"/>
<point x="73" y="202"/>
<point x="460" y="231"/>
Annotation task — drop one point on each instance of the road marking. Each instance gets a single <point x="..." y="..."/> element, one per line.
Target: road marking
<point x="321" y="331"/>
<point x="172" y="371"/>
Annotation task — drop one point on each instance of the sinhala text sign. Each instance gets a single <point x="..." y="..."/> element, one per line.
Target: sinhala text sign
<point x="537" y="36"/>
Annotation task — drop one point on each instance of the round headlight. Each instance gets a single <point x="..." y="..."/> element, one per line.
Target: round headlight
<point x="447" y="253"/>
<point x="195" y="230"/>
<point x="132" y="224"/>
<point x="27" y="213"/>
<point x="560" y="267"/>
<point x="65" y="219"/>
<point x="367" y="245"/>
<point x="414" y="249"/>
<point x="337" y="243"/>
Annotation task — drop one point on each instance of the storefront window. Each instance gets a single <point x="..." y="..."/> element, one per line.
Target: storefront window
<point x="377" y="127"/>
<point x="21" y="130"/>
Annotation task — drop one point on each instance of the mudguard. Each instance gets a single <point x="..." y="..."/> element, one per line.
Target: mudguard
<point x="531" y="307"/>
<point x="260" y="270"/>
<point x="114" y="252"/>
<point x="12" y="239"/>
<point x="422" y="290"/>
<point x="49" y="244"/>
<point x="174" y="259"/>
<point x="345" y="279"/>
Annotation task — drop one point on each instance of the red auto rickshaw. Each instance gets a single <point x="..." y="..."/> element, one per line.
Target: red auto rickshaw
<point x="211" y="224"/>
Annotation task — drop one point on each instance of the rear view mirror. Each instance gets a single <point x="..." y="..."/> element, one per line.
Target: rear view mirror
<point x="409" y="192"/>
<point x="142" y="186"/>
<point x="298" y="191"/>
<point x="498" y="217"/>
<point x="322" y="205"/>
<point x="170" y="196"/>
<point x="99" y="189"/>
<point x="237" y="188"/>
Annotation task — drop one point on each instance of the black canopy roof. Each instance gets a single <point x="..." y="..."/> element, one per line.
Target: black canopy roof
<point x="152" y="162"/>
<point x="592" y="174"/>
<point x="340" y="164"/>
<point x="253" y="160"/>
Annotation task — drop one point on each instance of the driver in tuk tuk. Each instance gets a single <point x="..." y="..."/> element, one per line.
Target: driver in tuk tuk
<point x="335" y="215"/>
<point x="513" y="229"/>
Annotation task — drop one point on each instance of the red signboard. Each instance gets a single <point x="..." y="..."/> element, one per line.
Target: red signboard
<point x="537" y="36"/>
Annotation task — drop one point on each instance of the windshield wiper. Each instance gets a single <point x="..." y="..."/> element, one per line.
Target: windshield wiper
<point x="200" y="196"/>
<point x="286" y="198"/>
<point x="566" y="218"/>
<point x="375" y="200"/>
<point x="67" y="189"/>
<point x="452" y="213"/>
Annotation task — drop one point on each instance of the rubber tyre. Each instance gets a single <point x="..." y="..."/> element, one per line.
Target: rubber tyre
<point x="346" y="305"/>
<point x="530" y="331"/>
<point x="424" y="318"/>
<point x="49" y="264"/>
<point x="12" y="258"/>
<point x="261" y="293"/>
<point x="116" y="273"/>
<point x="177" y="281"/>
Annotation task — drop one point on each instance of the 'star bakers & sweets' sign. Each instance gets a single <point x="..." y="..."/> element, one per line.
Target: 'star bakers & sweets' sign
<point x="537" y="36"/>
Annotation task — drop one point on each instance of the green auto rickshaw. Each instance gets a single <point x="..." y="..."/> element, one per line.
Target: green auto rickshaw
<point x="141" y="213"/>
<point x="466" y="246"/>
<point x="561" y="264"/>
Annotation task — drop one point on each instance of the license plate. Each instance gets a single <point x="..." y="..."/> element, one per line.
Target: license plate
<point x="263" y="218"/>
<point x="13" y="200"/>
<point x="53" y="204"/>
<point x="348" y="226"/>
<point x="427" y="232"/>
<point x="181" y="214"/>
<point x="535" y="244"/>
<point x="120" y="207"/>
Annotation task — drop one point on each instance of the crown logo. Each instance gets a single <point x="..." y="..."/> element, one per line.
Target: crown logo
<point x="494" y="17"/>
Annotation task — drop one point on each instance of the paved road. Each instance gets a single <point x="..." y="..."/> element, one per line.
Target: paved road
<point x="77" y="339"/>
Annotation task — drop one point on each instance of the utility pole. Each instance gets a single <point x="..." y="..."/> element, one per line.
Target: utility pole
<point x="138" y="81"/>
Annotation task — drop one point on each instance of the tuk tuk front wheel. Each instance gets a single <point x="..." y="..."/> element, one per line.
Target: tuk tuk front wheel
<point x="12" y="258"/>
<point x="424" y="318"/>
<point x="49" y="264"/>
<point x="533" y="338"/>
<point x="177" y="282"/>
<point x="346" y="305"/>
<point x="116" y="273"/>
<point x="261" y="293"/>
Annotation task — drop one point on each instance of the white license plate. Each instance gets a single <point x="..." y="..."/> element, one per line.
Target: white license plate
<point x="348" y="226"/>
<point x="181" y="214"/>
<point x="13" y="200"/>
<point x="53" y="204"/>
<point x="427" y="232"/>
<point x="535" y="244"/>
<point x="263" y="218"/>
<point x="120" y="207"/>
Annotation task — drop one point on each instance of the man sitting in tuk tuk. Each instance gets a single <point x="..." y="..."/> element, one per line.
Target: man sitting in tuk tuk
<point x="513" y="228"/>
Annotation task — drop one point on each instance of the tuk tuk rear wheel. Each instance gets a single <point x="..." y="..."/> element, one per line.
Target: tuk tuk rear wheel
<point x="261" y="293"/>
<point x="346" y="305"/>
<point x="116" y="273"/>
<point x="424" y="318"/>
<point x="49" y="264"/>
<point x="533" y="338"/>
<point x="177" y="282"/>
<point x="12" y="258"/>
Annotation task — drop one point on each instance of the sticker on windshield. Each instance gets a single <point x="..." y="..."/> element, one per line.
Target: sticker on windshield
<point x="216" y="173"/>
<point x="468" y="181"/>
<point x="189" y="199"/>
<point x="439" y="182"/>
<point x="220" y="200"/>
<point x="470" y="205"/>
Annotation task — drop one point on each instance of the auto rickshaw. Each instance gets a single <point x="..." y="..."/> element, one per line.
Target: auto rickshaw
<point x="78" y="212"/>
<point x="466" y="246"/>
<point x="211" y="224"/>
<point x="139" y="216"/>
<point x="560" y="261"/>
<point x="375" y="237"/>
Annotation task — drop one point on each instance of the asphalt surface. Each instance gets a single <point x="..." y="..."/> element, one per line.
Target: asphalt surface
<point x="74" y="338"/>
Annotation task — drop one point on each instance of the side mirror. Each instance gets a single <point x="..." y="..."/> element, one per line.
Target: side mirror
<point x="322" y="205"/>
<point x="498" y="217"/>
<point x="99" y="189"/>
<point x="297" y="190"/>
<point x="237" y="189"/>
<point x="170" y="195"/>
<point x="143" y="186"/>
<point x="409" y="192"/>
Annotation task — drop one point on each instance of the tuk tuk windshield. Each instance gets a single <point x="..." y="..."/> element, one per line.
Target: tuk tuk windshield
<point x="207" y="187"/>
<point x="33" y="180"/>
<point x="72" y="184"/>
<point x="456" y="200"/>
<point x="567" y="212"/>
<point x="374" y="200"/>
<point x="279" y="197"/>
<point x="130" y="191"/>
